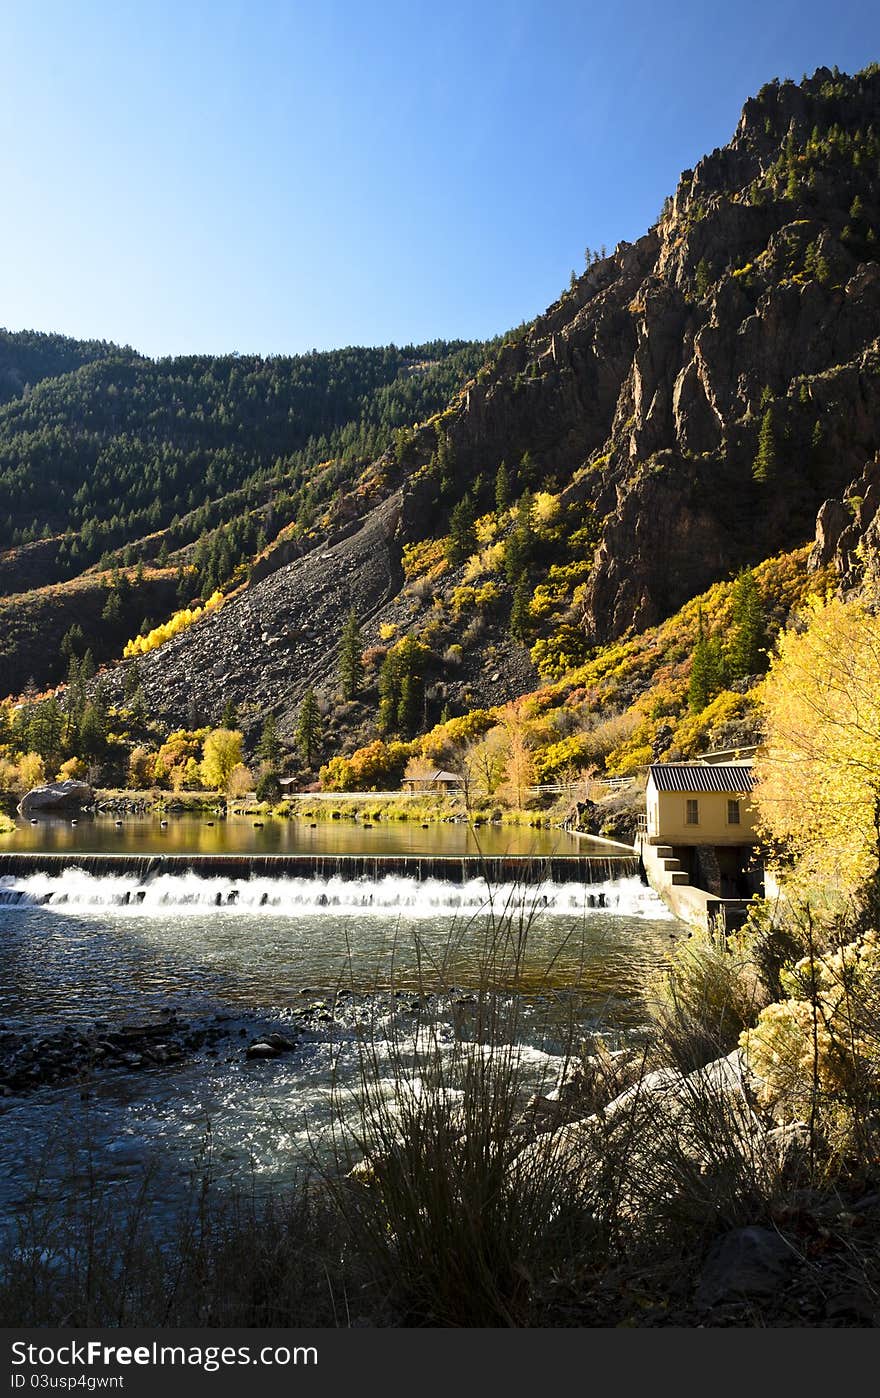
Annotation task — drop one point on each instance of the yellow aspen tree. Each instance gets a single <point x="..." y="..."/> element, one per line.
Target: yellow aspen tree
<point x="221" y="754"/>
<point x="818" y="779"/>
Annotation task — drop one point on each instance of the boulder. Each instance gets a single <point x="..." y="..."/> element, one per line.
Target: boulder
<point x="744" y="1262"/>
<point x="57" y="796"/>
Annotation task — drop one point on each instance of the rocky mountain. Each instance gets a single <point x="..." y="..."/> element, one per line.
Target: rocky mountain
<point x="689" y="403"/>
<point x="753" y="306"/>
<point x="683" y="410"/>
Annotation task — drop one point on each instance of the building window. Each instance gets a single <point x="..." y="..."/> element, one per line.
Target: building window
<point x="692" y="816"/>
<point x="733" y="813"/>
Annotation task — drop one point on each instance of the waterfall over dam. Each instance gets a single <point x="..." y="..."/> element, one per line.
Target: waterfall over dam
<point x="459" y="869"/>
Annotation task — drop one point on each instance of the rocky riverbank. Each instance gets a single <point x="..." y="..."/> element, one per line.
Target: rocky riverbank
<point x="33" y="1059"/>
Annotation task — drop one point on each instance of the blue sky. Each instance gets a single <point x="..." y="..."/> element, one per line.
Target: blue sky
<point x="271" y="177"/>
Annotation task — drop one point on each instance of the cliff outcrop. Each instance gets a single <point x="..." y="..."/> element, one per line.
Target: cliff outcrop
<point x="692" y="400"/>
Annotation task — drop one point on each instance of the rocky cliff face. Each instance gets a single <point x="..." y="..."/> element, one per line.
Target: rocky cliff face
<point x="646" y="387"/>
<point x="848" y="535"/>
<point x="695" y="396"/>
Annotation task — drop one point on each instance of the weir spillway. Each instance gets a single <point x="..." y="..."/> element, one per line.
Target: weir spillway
<point x="457" y="869"/>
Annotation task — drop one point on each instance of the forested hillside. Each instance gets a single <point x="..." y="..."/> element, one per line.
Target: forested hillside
<point x="679" y="414"/>
<point x="491" y="516"/>
<point x="110" y="459"/>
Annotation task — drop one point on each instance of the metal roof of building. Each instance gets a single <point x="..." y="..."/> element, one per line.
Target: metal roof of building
<point x="699" y="776"/>
<point x="438" y="775"/>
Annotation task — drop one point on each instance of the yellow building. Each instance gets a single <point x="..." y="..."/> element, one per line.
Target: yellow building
<point x="697" y="803"/>
<point x="700" y="827"/>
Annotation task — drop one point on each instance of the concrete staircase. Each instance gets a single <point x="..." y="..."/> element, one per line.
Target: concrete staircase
<point x="668" y="866"/>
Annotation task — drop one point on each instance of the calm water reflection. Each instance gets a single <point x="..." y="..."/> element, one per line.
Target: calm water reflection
<point x="211" y="834"/>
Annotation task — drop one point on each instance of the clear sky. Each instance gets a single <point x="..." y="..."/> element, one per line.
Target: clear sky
<point x="274" y="175"/>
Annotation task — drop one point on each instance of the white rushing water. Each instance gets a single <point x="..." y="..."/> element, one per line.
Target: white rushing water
<point x="395" y="962"/>
<point x="254" y="1124"/>
<point x="77" y="891"/>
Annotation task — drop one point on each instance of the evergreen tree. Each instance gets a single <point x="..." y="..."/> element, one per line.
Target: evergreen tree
<point x="745" y="653"/>
<point x="45" y="728"/>
<point x="92" y="736"/>
<point x="520" y="545"/>
<point x="409" y="706"/>
<point x="269" y="746"/>
<point x="268" y="786"/>
<point x="308" y="729"/>
<point x="502" y="489"/>
<point x="528" y="470"/>
<point x="702" y="278"/>
<point x="351" y="667"/>
<point x="73" y="641"/>
<point x="706" y="671"/>
<point x="462" y="535"/>
<point x="112" y="612"/>
<point x="764" y="468"/>
<point x="229" y="718"/>
<point x="520" y="619"/>
<point x="402" y="687"/>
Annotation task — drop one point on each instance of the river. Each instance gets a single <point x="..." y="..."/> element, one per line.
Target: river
<point x="324" y="962"/>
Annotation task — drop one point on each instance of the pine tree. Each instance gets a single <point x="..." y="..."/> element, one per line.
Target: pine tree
<point x="92" y="736"/>
<point x="519" y="613"/>
<point x="764" y="468"/>
<point x="502" y="489"/>
<point x="73" y="642"/>
<point x="351" y="667"/>
<point x="112" y="612"/>
<point x="745" y="654"/>
<point x="702" y="277"/>
<point x="230" y="715"/>
<point x="402" y="687"/>
<point x="132" y="681"/>
<point x="308" y="729"/>
<point x="462" y="535"/>
<point x="706" y="671"/>
<point x="409" y="706"/>
<point x="521" y="542"/>
<point x="269" y="747"/>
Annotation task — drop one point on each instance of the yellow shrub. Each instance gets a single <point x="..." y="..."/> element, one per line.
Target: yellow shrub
<point x="462" y="600"/>
<point x="456" y="731"/>
<point x="546" y="512"/>
<point x="31" y="771"/>
<point x="370" y="768"/>
<point x="628" y="760"/>
<point x="489" y="595"/>
<point x="820" y="1046"/>
<point x="489" y="561"/>
<point x="427" y="556"/>
<point x="177" y="623"/>
<point x="73" y="770"/>
<point x="697" y="732"/>
<point x="486" y="528"/>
